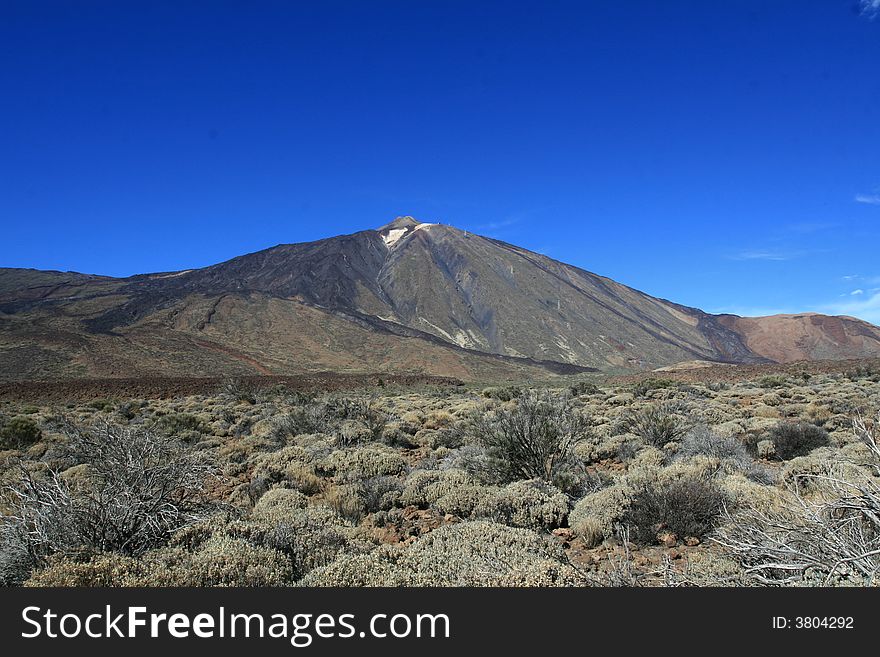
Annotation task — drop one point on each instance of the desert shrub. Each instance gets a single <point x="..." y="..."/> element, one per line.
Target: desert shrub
<point x="596" y="514"/>
<point x="184" y="426"/>
<point x="219" y="561"/>
<point x="659" y="424"/>
<point x="101" y="404"/>
<point x="15" y="560"/>
<point x="627" y="450"/>
<point x="732" y="454"/>
<point x="452" y="437"/>
<point x="102" y="570"/>
<point x="533" y="504"/>
<point x="224" y="561"/>
<point x="830" y="536"/>
<point x="503" y="393"/>
<point x="644" y="386"/>
<point x="534" y="439"/>
<point x="772" y="381"/>
<point x="765" y="449"/>
<point x="791" y="439"/>
<point x="818" y="414"/>
<point x="303" y="478"/>
<point x="701" y="441"/>
<point x="303" y="420"/>
<point x="128" y="410"/>
<point x="310" y="537"/>
<point x="295" y="464"/>
<point x="598" y="447"/>
<point x="869" y="372"/>
<point x="354" y="420"/>
<point x="583" y="388"/>
<point x="19" y="433"/>
<point x="475" y="553"/>
<point x="424" y="487"/>
<point x="379" y="493"/>
<point x="438" y="420"/>
<point x="132" y="489"/>
<point x="685" y="507"/>
<point x="239" y="390"/>
<point x="462" y="501"/>
<point x="346" y="502"/>
<point x="278" y="504"/>
<point x="363" y="462"/>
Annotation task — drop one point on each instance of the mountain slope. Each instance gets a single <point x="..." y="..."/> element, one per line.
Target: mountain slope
<point x="408" y="297"/>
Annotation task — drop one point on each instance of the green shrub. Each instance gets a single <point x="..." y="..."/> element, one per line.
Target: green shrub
<point x="184" y="426"/>
<point x="583" y="388"/>
<point x="505" y="393"/>
<point x="19" y="433"/>
<point x="772" y="381"/>
<point x="644" y="386"/>
<point x="659" y="424"/>
<point x="791" y="439"/>
<point x="534" y="439"/>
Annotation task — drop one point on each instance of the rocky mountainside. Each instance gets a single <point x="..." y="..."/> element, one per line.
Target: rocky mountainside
<point x="407" y="297"/>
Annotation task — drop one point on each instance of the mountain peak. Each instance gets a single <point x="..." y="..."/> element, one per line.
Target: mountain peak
<point x="400" y="222"/>
<point x="399" y="228"/>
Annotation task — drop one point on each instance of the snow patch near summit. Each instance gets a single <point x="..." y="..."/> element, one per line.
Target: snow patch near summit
<point x="394" y="235"/>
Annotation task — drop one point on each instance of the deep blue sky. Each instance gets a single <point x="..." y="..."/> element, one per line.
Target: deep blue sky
<point x="721" y="154"/>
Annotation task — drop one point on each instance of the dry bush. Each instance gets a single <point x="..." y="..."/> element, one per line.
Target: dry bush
<point x="791" y="439"/>
<point x="827" y="534"/>
<point x="731" y="453"/>
<point x="684" y="507"/>
<point x="131" y="491"/>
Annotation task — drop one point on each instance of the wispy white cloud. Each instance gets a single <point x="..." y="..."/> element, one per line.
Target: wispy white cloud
<point x="753" y="311"/>
<point x="861" y="280"/>
<point x="856" y="293"/>
<point x="766" y="254"/>
<point x="864" y="307"/>
<point x="870" y="199"/>
<point x="497" y="225"/>
<point x="870" y="8"/>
